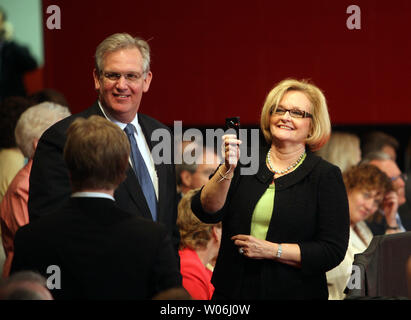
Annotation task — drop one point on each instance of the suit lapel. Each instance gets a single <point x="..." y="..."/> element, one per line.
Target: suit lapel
<point x="133" y="188"/>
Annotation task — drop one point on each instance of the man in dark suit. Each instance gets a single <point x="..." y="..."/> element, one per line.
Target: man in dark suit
<point x="90" y="248"/>
<point x="390" y="218"/>
<point x="121" y="76"/>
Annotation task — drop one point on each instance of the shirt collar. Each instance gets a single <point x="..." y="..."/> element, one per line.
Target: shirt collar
<point x="122" y="125"/>
<point x="84" y="194"/>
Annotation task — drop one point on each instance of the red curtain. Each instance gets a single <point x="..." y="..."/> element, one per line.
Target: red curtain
<point x="212" y="59"/>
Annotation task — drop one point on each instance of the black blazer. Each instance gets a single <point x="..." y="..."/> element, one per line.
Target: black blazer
<point x="50" y="186"/>
<point x="310" y="209"/>
<point x="103" y="252"/>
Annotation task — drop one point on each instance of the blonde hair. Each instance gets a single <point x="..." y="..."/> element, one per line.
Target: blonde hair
<point x="194" y="234"/>
<point x="34" y="121"/>
<point x="343" y="150"/>
<point x="320" y="124"/>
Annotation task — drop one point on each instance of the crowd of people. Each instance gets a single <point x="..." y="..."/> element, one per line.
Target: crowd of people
<point x="83" y="194"/>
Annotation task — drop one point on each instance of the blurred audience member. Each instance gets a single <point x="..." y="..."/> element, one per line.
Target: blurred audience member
<point x="366" y="188"/>
<point x="376" y="141"/>
<point x="409" y="277"/>
<point x="407" y="156"/>
<point x="199" y="246"/>
<point x="48" y="95"/>
<point x="6" y="28"/>
<point x="11" y="158"/>
<point x="25" y="285"/>
<point x="13" y="209"/>
<point x="178" y="293"/>
<point x="15" y="61"/>
<point x="195" y="171"/>
<point x="343" y="150"/>
<point x="388" y="219"/>
<point x="406" y="207"/>
<point x="102" y="251"/>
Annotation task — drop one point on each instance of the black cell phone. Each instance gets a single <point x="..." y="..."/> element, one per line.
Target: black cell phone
<point x="233" y="123"/>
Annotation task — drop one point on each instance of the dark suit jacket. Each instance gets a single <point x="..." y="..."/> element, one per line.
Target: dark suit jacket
<point x="378" y="224"/>
<point x="405" y="215"/>
<point x="103" y="252"/>
<point x="50" y="186"/>
<point x="310" y="209"/>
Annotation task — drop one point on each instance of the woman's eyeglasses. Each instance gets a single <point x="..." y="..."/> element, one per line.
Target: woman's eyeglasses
<point x="294" y="113"/>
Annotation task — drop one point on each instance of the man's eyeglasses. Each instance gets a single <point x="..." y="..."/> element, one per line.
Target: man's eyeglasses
<point x="130" y="77"/>
<point x="295" y="113"/>
<point x="403" y="176"/>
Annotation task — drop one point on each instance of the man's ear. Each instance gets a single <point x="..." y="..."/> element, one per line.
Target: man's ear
<point x="35" y="143"/>
<point x="96" y="78"/>
<point x="186" y="178"/>
<point x="216" y="233"/>
<point x="147" y="81"/>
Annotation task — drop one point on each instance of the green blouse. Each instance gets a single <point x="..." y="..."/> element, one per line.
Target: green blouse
<point x="263" y="211"/>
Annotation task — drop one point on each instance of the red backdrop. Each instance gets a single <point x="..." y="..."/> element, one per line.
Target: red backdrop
<point x="218" y="58"/>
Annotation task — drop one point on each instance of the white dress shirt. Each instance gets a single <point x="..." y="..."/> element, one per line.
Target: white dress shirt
<point x="142" y="146"/>
<point x="86" y="194"/>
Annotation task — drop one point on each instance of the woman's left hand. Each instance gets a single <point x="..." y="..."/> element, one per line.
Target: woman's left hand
<point x="254" y="248"/>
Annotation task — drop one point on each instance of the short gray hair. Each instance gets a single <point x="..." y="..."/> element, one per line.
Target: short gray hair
<point x="34" y="121"/>
<point x="184" y="166"/>
<point x="376" y="155"/>
<point x="19" y="286"/>
<point x="192" y="167"/>
<point x="120" y="41"/>
<point x="180" y="167"/>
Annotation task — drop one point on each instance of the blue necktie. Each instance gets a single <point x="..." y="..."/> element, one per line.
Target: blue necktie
<point x="141" y="171"/>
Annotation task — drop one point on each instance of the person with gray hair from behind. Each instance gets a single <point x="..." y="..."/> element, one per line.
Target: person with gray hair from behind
<point x="389" y="219"/>
<point x="25" y="285"/>
<point x="13" y="209"/>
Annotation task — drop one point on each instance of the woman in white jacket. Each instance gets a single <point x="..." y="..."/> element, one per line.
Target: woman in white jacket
<point x="366" y="187"/>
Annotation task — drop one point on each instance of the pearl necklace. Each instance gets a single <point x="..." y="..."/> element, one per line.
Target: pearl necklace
<point x="290" y="167"/>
